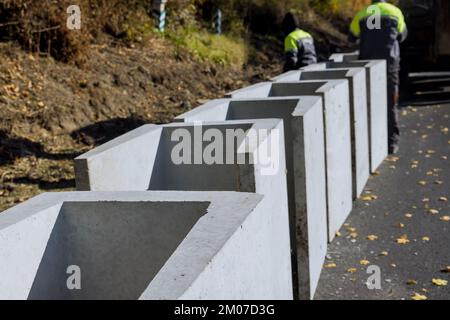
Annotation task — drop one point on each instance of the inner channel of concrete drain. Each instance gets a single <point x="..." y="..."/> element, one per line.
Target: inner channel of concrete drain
<point x="118" y="246"/>
<point x="294" y="89"/>
<point x="190" y="176"/>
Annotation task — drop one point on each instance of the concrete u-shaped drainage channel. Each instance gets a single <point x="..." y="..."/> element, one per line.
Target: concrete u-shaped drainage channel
<point x="235" y="200"/>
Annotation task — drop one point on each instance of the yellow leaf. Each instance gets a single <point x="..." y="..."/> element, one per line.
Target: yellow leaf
<point x="426" y="239"/>
<point x="401" y="225"/>
<point x="384" y="253"/>
<point x="423" y="183"/>
<point x="439" y="182"/>
<point x="433" y="211"/>
<point x="445" y="218"/>
<point x="372" y="237"/>
<point x="330" y="265"/>
<point x="408" y="215"/>
<point x="370" y="197"/>
<point x="338" y="234"/>
<point x="439" y="282"/>
<point x="411" y="282"/>
<point x="419" y="297"/>
<point x="364" y="262"/>
<point x="352" y="270"/>
<point x="354" y="235"/>
<point x="443" y="199"/>
<point x="403" y="240"/>
<point x="392" y="159"/>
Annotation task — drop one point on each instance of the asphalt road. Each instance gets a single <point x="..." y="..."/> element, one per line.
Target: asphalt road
<point x="406" y="187"/>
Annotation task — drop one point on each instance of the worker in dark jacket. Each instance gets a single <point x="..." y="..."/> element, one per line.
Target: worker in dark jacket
<point x="298" y="45"/>
<point x="381" y="27"/>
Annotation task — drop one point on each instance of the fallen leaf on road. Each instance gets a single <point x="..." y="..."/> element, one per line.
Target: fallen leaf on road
<point x="443" y="199"/>
<point x="384" y="253"/>
<point x="439" y="282"/>
<point x="446" y="270"/>
<point x="403" y="240"/>
<point x="423" y="183"/>
<point x="433" y="211"/>
<point x="369" y="197"/>
<point x="445" y="218"/>
<point x="330" y="265"/>
<point x="426" y="200"/>
<point x="372" y="237"/>
<point x="392" y="159"/>
<point x="411" y="282"/>
<point x="364" y="262"/>
<point x="419" y="297"/>
<point x="408" y="215"/>
<point x="439" y="182"/>
<point x="354" y="235"/>
<point x="426" y="239"/>
<point x="352" y="270"/>
<point x="401" y="225"/>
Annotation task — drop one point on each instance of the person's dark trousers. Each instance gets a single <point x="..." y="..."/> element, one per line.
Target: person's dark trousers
<point x="393" y="95"/>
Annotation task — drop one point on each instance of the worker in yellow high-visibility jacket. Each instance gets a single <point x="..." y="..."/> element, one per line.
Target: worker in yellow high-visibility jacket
<point x="298" y="45"/>
<point x="380" y="28"/>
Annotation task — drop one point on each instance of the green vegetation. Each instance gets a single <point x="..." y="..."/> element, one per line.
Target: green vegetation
<point x="221" y="49"/>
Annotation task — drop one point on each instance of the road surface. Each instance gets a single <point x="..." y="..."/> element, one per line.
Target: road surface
<point x="408" y="200"/>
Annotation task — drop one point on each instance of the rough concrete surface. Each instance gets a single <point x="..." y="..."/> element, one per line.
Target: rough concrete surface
<point x="143" y="245"/>
<point x="338" y="155"/>
<point x="305" y="159"/>
<point x="359" y="116"/>
<point x="377" y="106"/>
<point x="401" y="198"/>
